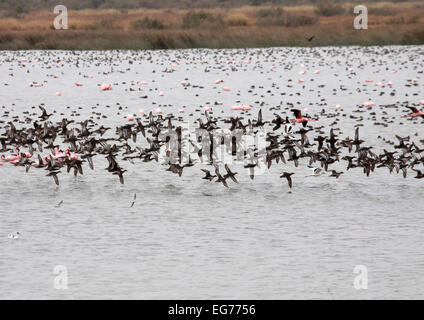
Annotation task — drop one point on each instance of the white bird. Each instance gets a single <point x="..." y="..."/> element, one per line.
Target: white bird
<point x="287" y="131"/>
<point x="14" y="236"/>
<point x="316" y="172"/>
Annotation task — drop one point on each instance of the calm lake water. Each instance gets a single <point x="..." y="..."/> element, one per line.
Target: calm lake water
<point x="186" y="238"/>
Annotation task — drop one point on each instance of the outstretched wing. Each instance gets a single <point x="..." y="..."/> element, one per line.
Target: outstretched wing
<point x="297" y="113"/>
<point x="413" y="109"/>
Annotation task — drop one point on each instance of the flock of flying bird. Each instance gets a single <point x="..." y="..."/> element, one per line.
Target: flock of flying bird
<point x="39" y="146"/>
<point x="293" y="138"/>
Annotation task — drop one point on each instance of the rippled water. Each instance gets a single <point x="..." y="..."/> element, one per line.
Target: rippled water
<point x="187" y="238"/>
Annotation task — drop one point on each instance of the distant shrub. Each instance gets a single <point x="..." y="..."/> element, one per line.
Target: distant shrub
<point x="418" y="5"/>
<point x="414" y="37"/>
<point x="328" y="9"/>
<point x="16" y="12"/>
<point x="270" y="12"/>
<point x="202" y="19"/>
<point x="402" y="20"/>
<point x="103" y="24"/>
<point x="288" y="20"/>
<point x="238" y="20"/>
<point x="33" y="39"/>
<point x="297" y="21"/>
<point x="106" y="24"/>
<point x="194" y="19"/>
<point x="271" y="21"/>
<point x="147" y="23"/>
<point x="396" y="20"/>
<point x="5" y="38"/>
<point x="413" y="19"/>
<point x="382" y="11"/>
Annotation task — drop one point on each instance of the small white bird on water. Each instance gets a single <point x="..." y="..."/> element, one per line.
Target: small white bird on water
<point x="14" y="236"/>
<point x="316" y="172"/>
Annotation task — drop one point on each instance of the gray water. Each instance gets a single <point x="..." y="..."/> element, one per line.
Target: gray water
<point x="190" y="239"/>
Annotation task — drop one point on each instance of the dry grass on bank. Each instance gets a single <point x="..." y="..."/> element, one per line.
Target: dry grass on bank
<point x="214" y="28"/>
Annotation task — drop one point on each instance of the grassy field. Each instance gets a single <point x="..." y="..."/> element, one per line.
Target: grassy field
<point x="250" y="26"/>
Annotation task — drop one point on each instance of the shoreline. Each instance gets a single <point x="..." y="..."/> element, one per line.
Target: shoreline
<point x="246" y="27"/>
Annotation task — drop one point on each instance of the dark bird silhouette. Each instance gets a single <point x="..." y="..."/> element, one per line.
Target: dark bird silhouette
<point x="288" y="177"/>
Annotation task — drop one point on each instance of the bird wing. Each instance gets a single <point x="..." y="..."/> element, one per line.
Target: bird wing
<point x="413" y="109"/>
<point x="260" y="115"/>
<point x="297" y="113"/>
<point x="289" y="180"/>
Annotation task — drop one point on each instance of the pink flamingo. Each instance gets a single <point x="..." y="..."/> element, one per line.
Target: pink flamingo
<point x="368" y="104"/>
<point x="59" y="154"/>
<point x="299" y="119"/>
<point x="415" y="113"/>
<point x="12" y="158"/>
<point x="130" y="117"/>
<point x="105" y="87"/>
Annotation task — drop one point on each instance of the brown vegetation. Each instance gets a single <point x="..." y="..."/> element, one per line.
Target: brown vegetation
<point x="249" y="26"/>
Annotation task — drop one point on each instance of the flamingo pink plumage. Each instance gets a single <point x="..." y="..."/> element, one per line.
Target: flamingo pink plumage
<point x="415" y="113"/>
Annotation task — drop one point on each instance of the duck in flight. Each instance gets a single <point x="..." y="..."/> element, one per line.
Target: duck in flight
<point x="221" y="178"/>
<point x="208" y="176"/>
<point x="288" y="177"/>
<point x="230" y="174"/>
<point x="336" y="174"/>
